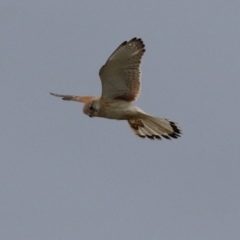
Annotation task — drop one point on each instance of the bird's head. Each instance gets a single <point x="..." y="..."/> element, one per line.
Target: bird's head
<point x="91" y="108"/>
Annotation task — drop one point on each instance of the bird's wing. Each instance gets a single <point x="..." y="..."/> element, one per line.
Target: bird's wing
<point x="120" y="75"/>
<point x="83" y="99"/>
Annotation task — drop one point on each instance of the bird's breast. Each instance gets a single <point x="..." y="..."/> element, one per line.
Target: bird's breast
<point x="116" y="109"/>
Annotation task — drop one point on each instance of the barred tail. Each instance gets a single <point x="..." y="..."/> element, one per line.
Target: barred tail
<point x="153" y="127"/>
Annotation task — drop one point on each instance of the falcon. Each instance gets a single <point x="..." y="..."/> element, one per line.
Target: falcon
<point x="120" y="78"/>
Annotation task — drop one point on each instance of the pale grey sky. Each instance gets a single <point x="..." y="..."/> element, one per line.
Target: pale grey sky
<point x="66" y="176"/>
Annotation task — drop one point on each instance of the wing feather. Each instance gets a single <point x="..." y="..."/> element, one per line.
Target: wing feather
<point x="120" y="75"/>
<point x="83" y="99"/>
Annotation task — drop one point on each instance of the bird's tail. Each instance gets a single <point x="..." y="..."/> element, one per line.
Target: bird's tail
<point x="153" y="127"/>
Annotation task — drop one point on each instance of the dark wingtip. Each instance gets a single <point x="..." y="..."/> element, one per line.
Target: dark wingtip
<point x="133" y="39"/>
<point x="55" y="94"/>
<point x="140" y="41"/>
<point x="64" y="97"/>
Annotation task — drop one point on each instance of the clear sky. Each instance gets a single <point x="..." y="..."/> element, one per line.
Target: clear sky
<point x="66" y="176"/>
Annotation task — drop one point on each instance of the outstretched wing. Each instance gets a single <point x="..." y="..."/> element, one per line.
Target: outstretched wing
<point x="83" y="99"/>
<point x="120" y="75"/>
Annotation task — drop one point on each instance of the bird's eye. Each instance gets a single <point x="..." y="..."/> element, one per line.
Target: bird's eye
<point x="91" y="107"/>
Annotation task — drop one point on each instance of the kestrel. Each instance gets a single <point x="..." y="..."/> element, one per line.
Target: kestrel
<point x="120" y="77"/>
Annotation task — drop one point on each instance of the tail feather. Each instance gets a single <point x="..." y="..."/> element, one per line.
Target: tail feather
<point x="154" y="128"/>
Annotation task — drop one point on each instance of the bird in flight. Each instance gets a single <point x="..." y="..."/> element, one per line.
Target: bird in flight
<point x="120" y="77"/>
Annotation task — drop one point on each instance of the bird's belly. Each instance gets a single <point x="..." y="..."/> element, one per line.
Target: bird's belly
<point x="118" y="115"/>
<point x="118" y="110"/>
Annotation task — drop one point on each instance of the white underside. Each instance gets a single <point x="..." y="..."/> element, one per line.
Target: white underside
<point x="121" y="110"/>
